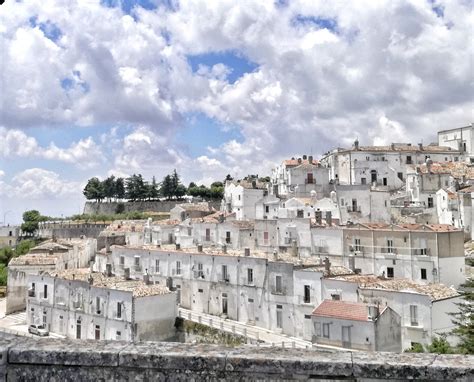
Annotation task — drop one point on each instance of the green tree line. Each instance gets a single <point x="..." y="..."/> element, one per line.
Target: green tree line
<point x="135" y="188"/>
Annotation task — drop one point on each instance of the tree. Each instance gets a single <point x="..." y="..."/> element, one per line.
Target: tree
<point x="94" y="189"/>
<point x="119" y="191"/>
<point x="136" y="188"/>
<point x="153" y="191"/>
<point x="167" y="189"/>
<point x="440" y="345"/>
<point x="464" y="319"/>
<point x="228" y="178"/>
<point x="31" y="219"/>
<point x="192" y="185"/>
<point x="108" y="186"/>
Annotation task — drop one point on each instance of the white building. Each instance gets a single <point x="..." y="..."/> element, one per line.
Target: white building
<point x="461" y="139"/>
<point x="424" y="308"/>
<point x="382" y="165"/>
<point x="356" y="325"/>
<point x="427" y="253"/>
<point x="299" y="177"/>
<point x="242" y="196"/>
<point x="185" y="211"/>
<point x="46" y="257"/>
<point x="9" y="235"/>
<point x="83" y="305"/>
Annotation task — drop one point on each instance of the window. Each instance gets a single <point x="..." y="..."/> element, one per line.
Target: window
<point x="307" y="294"/>
<point x="430" y="202"/>
<point x="390" y="272"/>
<point x="227" y="237"/>
<point x="239" y="197"/>
<point x="326" y="330"/>
<point x="200" y="291"/>
<point x="363" y="180"/>
<point x="249" y="276"/>
<point x="122" y="261"/>
<point x="137" y="263"/>
<point x="97" y="305"/>
<point x="157" y="266"/>
<point x="317" y="329"/>
<point x="190" y="231"/>
<point x="384" y="181"/>
<point x="45" y="293"/>
<point x="279" y="316"/>
<point x="119" y="310"/>
<point x="200" y="270"/>
<point x="178" y="267"/>
<point x="208" y="234"/>
<point x="10" y="233"/>
<point x="267" y="209"/>
<point x="225" y="274"/>
<point x="118" y="335"/>
<point x="456" y="159"/>
<point x="354" y="205"/>
<point x="335" y="296"/>
<point x="265" y="238"/>
<point x="97" y="332"/>
<point x="390" y="246"/>
<point x="78" y="329"/>
<point x="310" y="179"/>
<point x="414" y="315"/>
<point x="45" y="316"/>
<point x="300" y="213"/>
<point x="278" y="285"/>
<point x="400" y="175"/>
<point x="423" y="273"/>
<point x="356" y="244"/>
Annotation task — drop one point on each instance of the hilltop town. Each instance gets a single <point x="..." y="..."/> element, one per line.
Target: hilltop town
<point x="365" y="248"/>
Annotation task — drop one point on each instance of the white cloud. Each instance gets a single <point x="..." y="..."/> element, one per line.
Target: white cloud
<point x="84" y="154"/>
<point x="37" y="183"/>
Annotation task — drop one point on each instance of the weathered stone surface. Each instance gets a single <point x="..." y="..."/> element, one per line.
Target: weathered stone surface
<point x="170" y="355"/>
<point x="450" y="367"/>
<point x="288" y="362"/>
<point x="65" y="352"/>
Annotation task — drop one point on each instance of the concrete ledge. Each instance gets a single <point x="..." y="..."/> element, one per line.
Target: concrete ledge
<point x="29" y="359"/>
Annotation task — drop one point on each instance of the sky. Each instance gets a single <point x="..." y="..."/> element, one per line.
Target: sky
<point x="209" y="88"/>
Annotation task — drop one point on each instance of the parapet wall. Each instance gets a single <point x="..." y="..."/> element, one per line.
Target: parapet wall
<point x="27" y="359"/>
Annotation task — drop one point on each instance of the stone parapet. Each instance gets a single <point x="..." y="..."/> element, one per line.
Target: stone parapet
<point x="29" y="359"/>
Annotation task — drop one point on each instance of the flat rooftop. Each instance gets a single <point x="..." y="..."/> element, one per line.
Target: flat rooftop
<point x="434" y="291"/>
<point x="138" y="287"/>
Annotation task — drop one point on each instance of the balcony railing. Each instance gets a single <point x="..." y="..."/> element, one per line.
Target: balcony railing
<point x="388" y="250"/>
<point x="421" y="251"/>
<point x="281" y="290"/>
<point x="353" y="209"/>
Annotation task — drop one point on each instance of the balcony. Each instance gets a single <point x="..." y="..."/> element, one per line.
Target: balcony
<point x="388" y="250"/>
<point x="302" y="300"/>
<point x="198" y="275"/>
<point x="421" y="251"/>
<point x="353" y="209"/>
<point x="278" y="291"/>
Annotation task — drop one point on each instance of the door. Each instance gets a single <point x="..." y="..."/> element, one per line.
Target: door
<point x="97" y="332"/>
<point x="251" y="311"/>
<point x="227" y="237"/>
<point x="78" y="329"/>
<point x="224" y="304"/>
<point x="346" y="336"/>
<point x="208" y="234"/>
<point x="373" y="176"/>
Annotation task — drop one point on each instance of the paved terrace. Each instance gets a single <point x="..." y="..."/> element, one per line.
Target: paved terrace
<point x="27" y="359"/>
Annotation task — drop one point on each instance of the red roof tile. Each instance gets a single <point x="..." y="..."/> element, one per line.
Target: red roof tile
<point x="342" y="309"/>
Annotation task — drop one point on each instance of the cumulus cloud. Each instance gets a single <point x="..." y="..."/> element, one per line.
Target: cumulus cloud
<point x="37" y="183"/>
<point x="15" y="143"/>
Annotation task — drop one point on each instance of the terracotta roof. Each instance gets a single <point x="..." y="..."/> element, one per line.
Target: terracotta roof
<point x="294" y="162"/>
<point x="457" y="170"/>
<point x="35" y="259"/>
<point x="467" y="189"/>
<point x="434" y="291"/>
<point x="354" y="311"/>
<point x="202" y="206"/>
<point x="166" y="222"/>
<point x="99" y="280"/>
<point x="405" y="227"/>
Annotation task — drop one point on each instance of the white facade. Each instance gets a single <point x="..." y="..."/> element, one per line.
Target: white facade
<point x="461" y="139"/>
<point x="80" y="309"/>
<point x="241" y="198"/>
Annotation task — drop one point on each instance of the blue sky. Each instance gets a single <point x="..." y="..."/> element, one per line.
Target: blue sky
<point x="124" y="95"/>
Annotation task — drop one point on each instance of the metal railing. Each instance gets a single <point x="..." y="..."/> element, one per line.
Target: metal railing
<point x="240" y="329"/>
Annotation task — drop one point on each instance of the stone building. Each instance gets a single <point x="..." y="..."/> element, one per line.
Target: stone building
<point x="9" y="236"/>
<point x="82" y="304"/>
<point x="185" y="211"/>
<point x="241" y="197"/>
<point x="461" y="139"/>
<point x="46" y="257"/>
<point x="357" y="325"/>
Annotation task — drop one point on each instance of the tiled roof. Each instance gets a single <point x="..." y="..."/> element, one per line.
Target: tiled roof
<point x="295" y="162"/>
<point x="456" y="169"/>
<point x="35" y="259"/>
<point x="405" y="227"/>
<point x="203" y="207"/>
<point x="354" y="311"/>
<point x="166" y="222"/>
<point x="138" y="287"/>
<point x="434" y="291"/>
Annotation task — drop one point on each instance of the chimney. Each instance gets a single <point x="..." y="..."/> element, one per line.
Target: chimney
<point x="126" y="273"/>
<point x="199" y="247"/>
<point x="310" y="159"/>
<point x="319" y="216"/>
<point x="275" y="255"/>
<point x="299" y="160"/>
<point x="254" y="183"/>
<point x="329" y="218"/>
<point x="108" y="270"/>
<point x="224" y="248"/>
<point x="420" y="146"/>
<point x="305" y="157"/>
<point x="372" y="312"/>
<point x="327" y="265"/>
<point x="247" y="251"/>
<point x="356" y="144"/>
<point x="178" y="246"/>
<point x="146" y="278"/>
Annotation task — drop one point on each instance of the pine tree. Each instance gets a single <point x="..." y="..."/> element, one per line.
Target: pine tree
<point x="464" y="319"/>
<point x="108" y="186"/>
<point x="167" y="188"/>
<point x="119" y="189"/>
<point x="94" y="190"/>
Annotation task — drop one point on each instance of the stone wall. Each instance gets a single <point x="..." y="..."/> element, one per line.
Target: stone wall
<point x="68" y="230"/>
<point x="28" y="359"/>
<point x="109" y="208"/>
